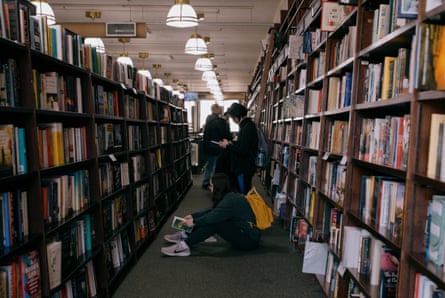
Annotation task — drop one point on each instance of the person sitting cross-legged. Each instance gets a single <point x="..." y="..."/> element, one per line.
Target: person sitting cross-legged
<point x="230" y="217"/>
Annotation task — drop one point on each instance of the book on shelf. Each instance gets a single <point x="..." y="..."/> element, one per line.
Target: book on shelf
<point x="436" y="150"/>
<point x="428" y="73"/>
<point x="425" y="287"/>
<point x="388" y="80"/>
<point x="9" y="83"/>
<point x="432" y="4"/>
<point x="29" y="274"/>
<point x="389" y="267"/>
<point x="436" y="231"/>
<point x="54" y="255"/>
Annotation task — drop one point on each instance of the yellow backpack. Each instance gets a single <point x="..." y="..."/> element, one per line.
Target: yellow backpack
<point x="263" y="213"/>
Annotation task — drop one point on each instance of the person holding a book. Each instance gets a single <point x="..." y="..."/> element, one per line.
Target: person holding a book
<point x="231" y="217"/>
<point x="244" y="150"/>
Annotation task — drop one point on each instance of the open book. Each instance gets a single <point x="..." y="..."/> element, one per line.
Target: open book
<point x="178" y="223"/>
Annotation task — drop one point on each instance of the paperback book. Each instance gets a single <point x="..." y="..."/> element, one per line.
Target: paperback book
<point x="178" y="223"/>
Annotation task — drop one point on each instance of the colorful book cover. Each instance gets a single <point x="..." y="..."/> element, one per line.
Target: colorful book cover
<point x="389" y="266"/>
<point x="29" y="264"/>
<point x="178" y="223"/>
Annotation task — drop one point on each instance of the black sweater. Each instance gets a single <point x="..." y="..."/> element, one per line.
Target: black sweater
<point x="244" y="150"/>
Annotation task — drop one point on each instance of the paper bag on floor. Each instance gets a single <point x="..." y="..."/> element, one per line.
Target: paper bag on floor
<point x="315" y="257"/>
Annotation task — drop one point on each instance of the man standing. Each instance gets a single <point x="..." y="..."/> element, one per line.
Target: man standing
<point x="215" y="130"/>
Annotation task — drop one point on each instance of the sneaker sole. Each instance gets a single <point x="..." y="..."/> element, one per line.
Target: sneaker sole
<point x="183" y="253"/>
<point x="171" y="240"/>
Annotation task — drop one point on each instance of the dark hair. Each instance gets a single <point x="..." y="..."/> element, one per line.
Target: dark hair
<point x="221" y="187"/>
<point x="237" y="110"/>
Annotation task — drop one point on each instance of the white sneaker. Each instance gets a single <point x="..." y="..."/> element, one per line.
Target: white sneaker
<point x="211" y="239"/>
<point x="176" y="237"/>
<point x="180" y="249"/>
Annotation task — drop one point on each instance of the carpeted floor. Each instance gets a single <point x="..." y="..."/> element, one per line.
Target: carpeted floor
<point x="216" y="270"/>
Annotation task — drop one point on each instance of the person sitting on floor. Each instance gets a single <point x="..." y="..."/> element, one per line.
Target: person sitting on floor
<point x="231" y="218"/>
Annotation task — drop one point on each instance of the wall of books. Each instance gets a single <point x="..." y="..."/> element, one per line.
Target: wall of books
<point x="93" y="158"/>
<point x="353" y="108"/>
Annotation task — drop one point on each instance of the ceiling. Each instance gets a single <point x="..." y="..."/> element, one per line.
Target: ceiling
<point x="235" y="27"/>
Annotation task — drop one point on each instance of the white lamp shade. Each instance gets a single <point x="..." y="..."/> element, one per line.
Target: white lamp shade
<point x="125" y="60"/>
<point x="195" y="45"/>
<point x="212" y="84"/>
<point x="145" y="73"/>
<point x="182" y="15"/>
<point x="208" y="75"/>
<point x="95" y="42"/>
<point x="203" y="64"/>
<point x="158" y="81"/>
<point x="44" y="9"/>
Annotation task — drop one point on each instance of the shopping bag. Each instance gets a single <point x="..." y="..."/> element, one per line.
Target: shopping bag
<point x="315" y="257"/>
<point x="262" y="211"/>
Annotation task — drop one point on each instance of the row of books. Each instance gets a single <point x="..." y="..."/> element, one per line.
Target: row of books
<point x="372" y="259"/>
<point x="138" y="168"/>
<point x="293" y="106"/>
<point x="64" y="196"/>
<point x="333" y="184"/>
<point x="69" y="246"/>
<point x="312" y="170"/>
<point x="13" y="151"/>
<point x="332" y="226"/>
<point x="132" y="107"/>
<point x="112" y="177"/>
<point x="14" y="225"/>
<point x="308" y="205"/>
<point x="436" y="150"/>
<point x="114" y="214"/>
<point x="118" y="250"/>
<point x="435" y="230"/>
<point x="318" y="66"/>
<point x="60" y="145"/>
<point x="83" y="284"/>
<point x="426" y="288"/>
<point x="8" y="83"/>
<point x="109" y="138"/>
<point x="134" y="138"/>
<point x="339" y="92"/>
<point x="106" y="102"/>
<point x="141" y="198"/>
<point x="385" y="141"/>
<point x="21" y="277"/>
<point x="344" y="49"/>
<point x="313" y="135"/>
<point x="338" y="137"/>
<point x="57" y="92"/>
<point x="382" y="204"/>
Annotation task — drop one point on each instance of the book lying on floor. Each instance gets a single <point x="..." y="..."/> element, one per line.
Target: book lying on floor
<point x="178" y="223"/>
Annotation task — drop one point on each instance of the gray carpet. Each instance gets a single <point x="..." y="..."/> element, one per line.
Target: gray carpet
<point x="217" y="270"/>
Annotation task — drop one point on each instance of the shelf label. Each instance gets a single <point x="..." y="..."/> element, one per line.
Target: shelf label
<point x="134" y="91"/>
<point x="123" y="86"/>
<point x="343" y="160"/>
<point x="326" y="156"/>
<point x="112" y="157"/>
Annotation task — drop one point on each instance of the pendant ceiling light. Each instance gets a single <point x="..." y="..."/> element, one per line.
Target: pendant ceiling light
<point x="124" y="59"/>
<point x="144" y="71"/>
<point x="44" y="9"/>
<point x="182" y="15"/>
<point x="204" y="63"/>
<point x="195" y="45"/>
<point x="208" y="75"/>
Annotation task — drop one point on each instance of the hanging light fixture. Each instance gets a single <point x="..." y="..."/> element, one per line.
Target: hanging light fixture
<point x="94" y="42"/>
<point x="195" y="45"/>
<point x="208" y="75"/>
<point x="156" y="78"/>
<point x="44" y="9"/>
<point x="204" y="63"/>
<point x="124" y="59"/>
<point x="166" y="85"/>
<point x="144" y="71"/>
<point x="182" y="15"/>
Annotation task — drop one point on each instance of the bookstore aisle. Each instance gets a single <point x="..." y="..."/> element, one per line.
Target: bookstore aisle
<point x="217" y="270"/>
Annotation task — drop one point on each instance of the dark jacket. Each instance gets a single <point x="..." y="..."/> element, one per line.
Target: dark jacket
<point x="233" y="207"/>
<point x="244" y="150"/>
<point x="215" y="129"/>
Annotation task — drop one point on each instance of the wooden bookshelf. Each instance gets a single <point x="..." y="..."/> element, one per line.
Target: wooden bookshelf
<point x="360" y="71"/>
<point x="103" y="157"/>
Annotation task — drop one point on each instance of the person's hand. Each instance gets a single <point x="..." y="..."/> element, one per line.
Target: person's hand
<point x="188" y="221"/>
<point x="224" y="143"/>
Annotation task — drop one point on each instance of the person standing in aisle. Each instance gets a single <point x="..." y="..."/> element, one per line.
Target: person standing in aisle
<point x="215" y="130"/>
<point x="231" y="217"/>
<point x="243" y="151"/>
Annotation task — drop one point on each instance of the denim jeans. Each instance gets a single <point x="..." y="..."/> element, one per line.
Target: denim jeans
<point x="210" y="169"/>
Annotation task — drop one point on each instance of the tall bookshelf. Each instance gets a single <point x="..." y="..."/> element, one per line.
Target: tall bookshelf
<point x="353" y="112"/>
<point x="89" y="159"/>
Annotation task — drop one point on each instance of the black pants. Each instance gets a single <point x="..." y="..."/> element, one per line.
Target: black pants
<point x="244" y="239"/>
